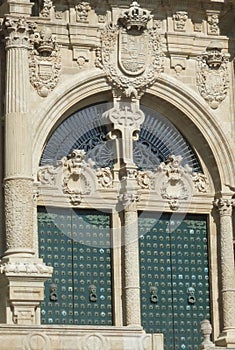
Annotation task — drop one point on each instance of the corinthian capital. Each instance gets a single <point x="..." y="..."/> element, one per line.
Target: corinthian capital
<point x="224" y="206"/>
<point x="17" y="32"/>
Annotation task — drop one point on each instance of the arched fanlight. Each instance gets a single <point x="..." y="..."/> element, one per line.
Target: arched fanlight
<point x="86" y="130"/>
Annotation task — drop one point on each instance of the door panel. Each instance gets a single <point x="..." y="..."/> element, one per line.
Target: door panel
<point x="77" y="244"/>
<point x="174" y="261"/>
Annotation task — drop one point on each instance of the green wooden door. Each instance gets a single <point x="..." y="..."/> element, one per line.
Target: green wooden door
<point x="77" y="244"/>
<point x="174" y="277"/>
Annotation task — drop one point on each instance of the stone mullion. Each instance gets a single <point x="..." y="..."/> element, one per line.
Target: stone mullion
<point x="125" y="119"/>
<point x="132" y="280"/>
<point x="227" y="262"/>
<point x="18" y="146"/>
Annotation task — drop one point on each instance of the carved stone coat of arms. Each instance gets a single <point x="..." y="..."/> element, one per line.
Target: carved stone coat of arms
<point x="131" y="52"/>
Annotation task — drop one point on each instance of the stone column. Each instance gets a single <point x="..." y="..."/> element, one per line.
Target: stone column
<point x="124" y="120"/>
<point x="225" y="207"/>
<point x="18" y="180"/>
<point x="131" y="260"/>
<point x="22" y="274"/>
<point x="129" y="197"/>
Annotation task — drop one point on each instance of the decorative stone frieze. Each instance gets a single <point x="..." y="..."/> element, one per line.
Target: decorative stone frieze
<point x="212" y="75"/>
<point x="28" y="267"/>
<point x="46" y="8"/>
<point x="131" y="51"/>
<point x="82" y="10"/>
<point x="75" y="177"/>
<point x="44" y="62"/>
<point x="180" y="19"/>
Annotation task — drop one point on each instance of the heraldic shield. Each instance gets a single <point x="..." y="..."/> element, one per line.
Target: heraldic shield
<point x="133" y="51"/>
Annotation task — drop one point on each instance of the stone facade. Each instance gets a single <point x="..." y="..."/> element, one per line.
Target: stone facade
<point x="57" y="57"/>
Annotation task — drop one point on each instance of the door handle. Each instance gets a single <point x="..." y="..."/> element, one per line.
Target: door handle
<point x="191" y="295"/>
<point x="92" y="293"/>
<point x="53" y="292"/>
<point x="153" y="295"/>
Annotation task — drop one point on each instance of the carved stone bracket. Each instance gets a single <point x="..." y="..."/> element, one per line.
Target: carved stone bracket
<point x="173" y="181"/>
<point x="44" y="62"/>
<point x="82" y="10"/>
<point x="131" y="51"/>
<point x="75" y="176"/>
<point x="46" y="8"/>
<point x="212" y="75"/>
<point x="180" y="19"/>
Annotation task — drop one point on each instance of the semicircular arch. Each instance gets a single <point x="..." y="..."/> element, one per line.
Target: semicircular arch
<point x="181" y="105"/>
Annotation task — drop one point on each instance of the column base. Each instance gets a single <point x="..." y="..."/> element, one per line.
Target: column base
<point x="21" y="289"/>
<point x="18" y="252"/>
<point x="227" y="339"/>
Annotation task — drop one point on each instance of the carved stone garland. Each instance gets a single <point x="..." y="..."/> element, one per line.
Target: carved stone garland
<point x="131" y="51"/>
<point x="212" y="75"/>
<point x="44" y="62"/>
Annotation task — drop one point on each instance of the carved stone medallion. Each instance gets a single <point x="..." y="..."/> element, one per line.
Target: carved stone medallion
<point x="131" y="52"/>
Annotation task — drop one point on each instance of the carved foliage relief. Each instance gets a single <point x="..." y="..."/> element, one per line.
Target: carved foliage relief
<point x="131" y="52"/>
<point x="44" y="62"/>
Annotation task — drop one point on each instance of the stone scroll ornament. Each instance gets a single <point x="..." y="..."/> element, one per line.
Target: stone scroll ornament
<point x="212" y="75"/>
<point x="44" y="62"/>
<point x="75" y="176"/>
<point x="131" y="52"/>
